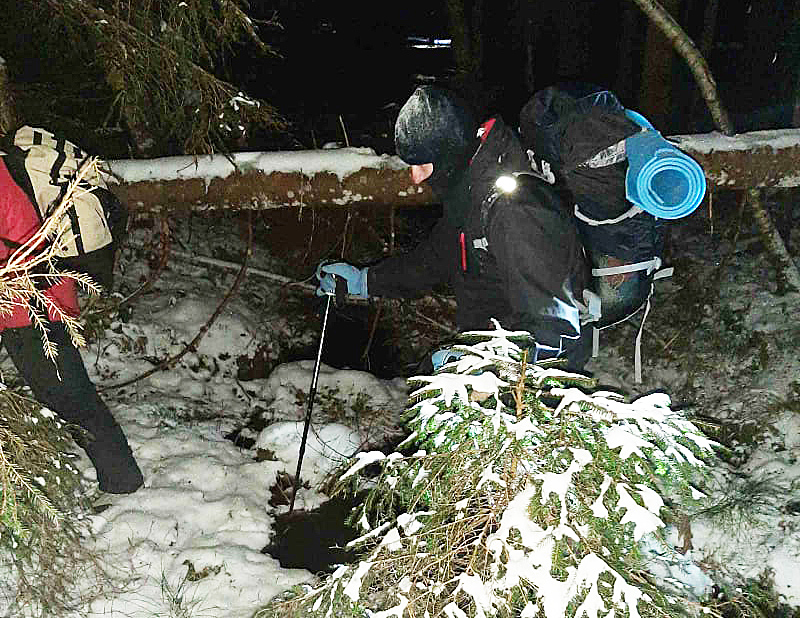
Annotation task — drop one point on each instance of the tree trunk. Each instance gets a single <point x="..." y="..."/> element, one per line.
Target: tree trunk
<point x="8" y="120"/>
<point x="266" y="180"/>
<point x="572" y="53"/>
<point x="788" y="275"/>
<point x="698" y="65"/>
<point x="760" y="159"/>
<point x="522" y="50"/>
<point x="529" y="48"/>
<point x="795" y="38"/>
<point x="628" y="63"/>
<point x="656" y="84"/>
<point x="707" y="40"/>
<point x="465" y="19"/>
<point x="683" y="44"/>
<point x="709" y="28"/>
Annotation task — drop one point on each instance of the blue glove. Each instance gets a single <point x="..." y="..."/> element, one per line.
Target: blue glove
<point x="442" y="357"/>
<point x="356" y="279"/>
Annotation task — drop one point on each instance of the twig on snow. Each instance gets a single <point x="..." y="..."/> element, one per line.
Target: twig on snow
<point x="162" y="263"/>
<point x="193" y="344"/>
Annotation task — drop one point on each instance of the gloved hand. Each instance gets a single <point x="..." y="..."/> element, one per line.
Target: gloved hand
<point x="356" y="279"/>
<point x="444" y="356"/>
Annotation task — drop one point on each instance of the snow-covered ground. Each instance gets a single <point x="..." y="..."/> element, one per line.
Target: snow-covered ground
<point x="192" y="537"/>
<point x="738" y="366"/>
<point x="205" y="505"/>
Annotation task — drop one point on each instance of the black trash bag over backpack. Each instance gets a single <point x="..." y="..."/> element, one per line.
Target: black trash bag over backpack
<point x="43" y="164"/>
<point x="575" y="137"/>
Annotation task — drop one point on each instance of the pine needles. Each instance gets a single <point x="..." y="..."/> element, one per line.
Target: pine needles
<point x="41" y="514"/>
<point x="41" y="506"/>
<point x="519" y="493"/>
<point x="162" y="62"/>
<point x="31" y="269"/>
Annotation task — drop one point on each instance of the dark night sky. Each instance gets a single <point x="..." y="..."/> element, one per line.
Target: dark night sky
<point x="363" y="63"/>
<point x="349" y="57"/>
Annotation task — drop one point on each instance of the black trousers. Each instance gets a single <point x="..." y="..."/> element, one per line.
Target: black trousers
<point x="65" y="388"/>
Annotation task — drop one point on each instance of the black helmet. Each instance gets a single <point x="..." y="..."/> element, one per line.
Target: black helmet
<point x="437" y="126"/>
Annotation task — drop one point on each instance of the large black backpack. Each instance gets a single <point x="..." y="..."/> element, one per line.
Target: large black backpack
<point x="578" y="137"/>
<point x="43" y="164"/>
<point x="575" y="137"/>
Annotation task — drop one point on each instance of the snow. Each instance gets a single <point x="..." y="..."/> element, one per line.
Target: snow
<point x="205" y="500"/>
<point x="644" y="520"/>
<point x="559" y="484"/>
<point x="533" y="565"/>
<point x="774" y="139"/>
<point x="715" y="141"/>
<point x="340" y="161"/>
<point x="346" y="161"/>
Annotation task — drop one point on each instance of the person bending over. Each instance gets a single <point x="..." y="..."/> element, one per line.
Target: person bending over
<point x="506" y="242"/>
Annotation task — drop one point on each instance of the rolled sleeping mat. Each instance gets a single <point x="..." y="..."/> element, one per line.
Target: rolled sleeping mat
<point x="661" y="179"/>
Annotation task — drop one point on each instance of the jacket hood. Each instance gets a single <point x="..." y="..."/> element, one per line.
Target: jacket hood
<point x="437" y="126"/>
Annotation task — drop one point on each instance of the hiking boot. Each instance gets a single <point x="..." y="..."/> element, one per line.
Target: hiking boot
<point x="117" y="470"/>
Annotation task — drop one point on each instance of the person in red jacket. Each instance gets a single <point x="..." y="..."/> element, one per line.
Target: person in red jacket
<point x="63" y="386"/>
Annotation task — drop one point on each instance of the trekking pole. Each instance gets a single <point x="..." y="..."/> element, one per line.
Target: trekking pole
<point x="340" y="291"/>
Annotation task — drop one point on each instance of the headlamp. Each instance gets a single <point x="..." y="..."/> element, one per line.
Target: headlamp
<point x="506" y="184"/>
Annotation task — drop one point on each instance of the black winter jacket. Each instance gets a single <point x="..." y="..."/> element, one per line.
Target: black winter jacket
<point x="531" y="269"/>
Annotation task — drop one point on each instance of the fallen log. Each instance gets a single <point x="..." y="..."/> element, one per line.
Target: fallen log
<point x="350" y="176"/>
<point x="759" y="159"/>
<point x="261" y="180"/>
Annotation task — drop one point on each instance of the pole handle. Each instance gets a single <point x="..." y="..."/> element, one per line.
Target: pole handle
<point x="341" y="289"/>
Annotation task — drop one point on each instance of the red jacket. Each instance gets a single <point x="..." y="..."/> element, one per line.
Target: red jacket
<point x="19" y="220"/>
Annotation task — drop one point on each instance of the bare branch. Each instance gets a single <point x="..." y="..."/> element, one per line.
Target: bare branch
<point x="698" y="65"/>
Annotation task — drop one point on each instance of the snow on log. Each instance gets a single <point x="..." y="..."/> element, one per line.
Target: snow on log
<point x="748" y="160"/>
<point x="261" y="180"/>
<point x="347" y="176"/>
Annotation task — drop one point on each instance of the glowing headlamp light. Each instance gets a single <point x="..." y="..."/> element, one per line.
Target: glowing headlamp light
<point x="506" y="184"/>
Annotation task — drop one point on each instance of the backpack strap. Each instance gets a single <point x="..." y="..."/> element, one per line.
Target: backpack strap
<point x="650" y="266"/>
<point x="593" y="310"/>
<point x="637" y="352"/>
<point x="631" y="212"/>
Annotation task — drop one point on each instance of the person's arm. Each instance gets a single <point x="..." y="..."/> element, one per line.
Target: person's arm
<point x="409" y="275"/>
<point x="537" y="254"/>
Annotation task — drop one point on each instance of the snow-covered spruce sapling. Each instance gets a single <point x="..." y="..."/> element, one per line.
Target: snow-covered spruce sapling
<point x="516" y="494"/>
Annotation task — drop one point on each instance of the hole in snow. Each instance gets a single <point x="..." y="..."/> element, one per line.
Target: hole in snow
<point x="314" y="540"/>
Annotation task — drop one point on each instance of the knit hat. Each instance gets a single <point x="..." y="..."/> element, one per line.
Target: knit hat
<point x="436" y="126"/>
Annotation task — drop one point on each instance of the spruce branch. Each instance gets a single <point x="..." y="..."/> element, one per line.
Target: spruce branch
<point x="161" y="61"/>
<point x="41" y="523"/>
<point x="517" y="498"/>
<point x="32" y="268"/>
<point x="13" y="474"/>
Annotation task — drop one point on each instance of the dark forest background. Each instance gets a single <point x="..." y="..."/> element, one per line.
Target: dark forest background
<point x="350" y="63"/>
